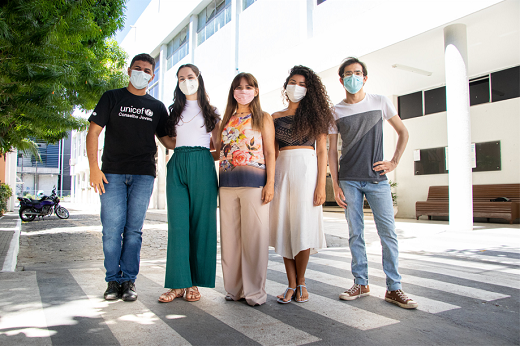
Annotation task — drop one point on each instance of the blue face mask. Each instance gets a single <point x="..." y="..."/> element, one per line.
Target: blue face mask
<point x="353" y="83"/>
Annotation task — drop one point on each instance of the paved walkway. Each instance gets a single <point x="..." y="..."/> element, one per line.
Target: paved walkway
<point x="467" y="285"/>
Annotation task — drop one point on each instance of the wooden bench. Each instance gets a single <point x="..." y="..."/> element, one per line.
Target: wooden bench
<point x="437" y="203"/>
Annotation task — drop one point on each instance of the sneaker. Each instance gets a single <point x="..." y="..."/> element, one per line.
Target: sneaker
<point x="113" y="291"/>
<point x="128" y="292"/>
<point x="355" y="291"/>
<point x="398" y="297"/>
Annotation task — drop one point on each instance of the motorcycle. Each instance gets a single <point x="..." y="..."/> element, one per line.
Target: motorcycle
<point x="30" y="208"/>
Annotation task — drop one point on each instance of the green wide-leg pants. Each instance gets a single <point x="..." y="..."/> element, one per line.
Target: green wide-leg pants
<point x="191" y="193"/>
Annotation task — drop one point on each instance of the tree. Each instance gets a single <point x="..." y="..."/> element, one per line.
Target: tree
<point x="55" y="55"/>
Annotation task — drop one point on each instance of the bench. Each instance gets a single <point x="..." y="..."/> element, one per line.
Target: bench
<point x="437" y="203"/>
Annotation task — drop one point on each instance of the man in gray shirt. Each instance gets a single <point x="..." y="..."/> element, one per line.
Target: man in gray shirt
<point x="362" y="172"/>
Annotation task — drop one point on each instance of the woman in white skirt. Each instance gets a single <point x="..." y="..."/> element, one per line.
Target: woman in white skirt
<point x="296" y="216"/>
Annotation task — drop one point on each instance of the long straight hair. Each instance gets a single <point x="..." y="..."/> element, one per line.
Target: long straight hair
<point x="257" y="114"/>
<point x="179" y="102"/>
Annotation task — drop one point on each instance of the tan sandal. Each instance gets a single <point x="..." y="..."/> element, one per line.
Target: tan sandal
<point x="171" y="295"/>
<point x="192" y="294"/>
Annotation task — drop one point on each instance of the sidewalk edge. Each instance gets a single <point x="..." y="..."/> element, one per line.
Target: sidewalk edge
<point x="12" y="254"/>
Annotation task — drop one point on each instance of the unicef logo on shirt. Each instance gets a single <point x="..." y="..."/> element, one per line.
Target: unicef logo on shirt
<point x="148" y="112"/>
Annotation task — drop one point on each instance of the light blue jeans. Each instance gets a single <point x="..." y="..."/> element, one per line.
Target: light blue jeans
<point x="123" y="208"/>
<point x="380" y="199"/>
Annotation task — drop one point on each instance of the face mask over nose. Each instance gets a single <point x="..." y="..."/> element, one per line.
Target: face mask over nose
<point x="139" y="79"/>
<point x="353" y="83"/>
<point x="295" y="92"/>
<point x="244" y="97"/>
<point x="189" y="86"/>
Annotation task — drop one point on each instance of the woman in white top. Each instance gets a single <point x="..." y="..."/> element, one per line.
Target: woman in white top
<point x="191" y="190"/>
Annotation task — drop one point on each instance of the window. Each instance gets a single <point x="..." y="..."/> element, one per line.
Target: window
<point x="153" y="88"/>
<point x="156" y="70"/>
<point x="247" y="3"/>
<point x="410" y="106"/>
<point x="212" y="18"/>
<point x="479" y="90"/>
<point x="177" y="48"/>
<point x="433" y="161"/>
<point x="505" y="84"/>
<point x="435" y="100"/>
<point x="320" y="1"/>
<point x="154" y="91"/>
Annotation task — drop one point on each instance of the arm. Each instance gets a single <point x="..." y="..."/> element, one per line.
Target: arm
<point x="96" y="176"/>
<point x="321" y="152"/>
<point x="402" y="140"/>
<point x="334" y="168"/>
<point x="270" y="160"/>
<point x="168" y="142"/>
<point x="215" y="142"/>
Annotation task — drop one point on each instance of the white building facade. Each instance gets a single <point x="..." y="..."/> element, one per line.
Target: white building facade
<point x="400" y="41"/>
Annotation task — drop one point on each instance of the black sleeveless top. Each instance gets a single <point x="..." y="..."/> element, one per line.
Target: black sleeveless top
<point x="285" y="136"/>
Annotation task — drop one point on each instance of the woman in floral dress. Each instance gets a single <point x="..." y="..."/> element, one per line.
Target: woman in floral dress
<point x="247" y="165"/>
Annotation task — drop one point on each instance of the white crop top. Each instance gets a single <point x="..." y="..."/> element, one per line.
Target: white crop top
<point x="191" y="130"/>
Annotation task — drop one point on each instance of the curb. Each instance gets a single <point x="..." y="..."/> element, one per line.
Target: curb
<point x="12" y="254"/>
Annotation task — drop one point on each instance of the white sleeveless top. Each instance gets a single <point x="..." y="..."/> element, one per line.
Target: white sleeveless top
<point x="191" y="130"/>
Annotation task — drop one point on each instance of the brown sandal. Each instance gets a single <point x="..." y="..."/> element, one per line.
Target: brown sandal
<point x="171" y="295"/>
<point x="192" y="294"/>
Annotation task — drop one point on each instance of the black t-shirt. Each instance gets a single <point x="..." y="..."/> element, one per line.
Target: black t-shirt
<point x="131" y="122"/>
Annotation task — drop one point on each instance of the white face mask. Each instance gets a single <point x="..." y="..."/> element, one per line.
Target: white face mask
<point x="139" y="79"/>
<point x="189" y="86"/>
<point x="295" y="92"/>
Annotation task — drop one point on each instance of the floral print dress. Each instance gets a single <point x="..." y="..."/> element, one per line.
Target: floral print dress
<point x="242" y="162"/>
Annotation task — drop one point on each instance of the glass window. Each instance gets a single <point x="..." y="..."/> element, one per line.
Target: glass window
<point x="248" y="3"/>
<point x="479" y="91"/>
<point x="435" y="100"/>
<point x="154" y="91"/>
<point x="410" y="106"/>
<point x="210" y="11"/>
<point x="201" y="20"/>
<point x="488" y="157"/>
<point x="432" y="161"/>
<point x="320" y="1"/>
<point x="156" y="70"/>
<point x="177" y="48"/>
<point x="505" y="84"/>
<point x="212" y="18"/>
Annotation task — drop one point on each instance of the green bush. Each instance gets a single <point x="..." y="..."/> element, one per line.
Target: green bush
<point x="5" y="194"/>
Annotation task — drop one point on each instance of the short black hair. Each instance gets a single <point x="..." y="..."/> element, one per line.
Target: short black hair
<point x="144" y="57"/>
<point x="349" y="61"/>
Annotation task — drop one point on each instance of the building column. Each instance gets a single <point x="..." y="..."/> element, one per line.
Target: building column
<point x="236" y="10"/>
<point x="459" y="127"/>
<point x="192" y="37"/>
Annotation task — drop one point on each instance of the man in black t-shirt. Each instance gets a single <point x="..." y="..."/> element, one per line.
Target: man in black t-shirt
<point x="131" y="119"/>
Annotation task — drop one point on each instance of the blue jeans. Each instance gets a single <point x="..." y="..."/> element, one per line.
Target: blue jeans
<point x="380" y="199"/>
<point x="123" y="208"/>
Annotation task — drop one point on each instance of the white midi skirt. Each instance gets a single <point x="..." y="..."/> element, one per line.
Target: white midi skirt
<point x="295" y="223"/>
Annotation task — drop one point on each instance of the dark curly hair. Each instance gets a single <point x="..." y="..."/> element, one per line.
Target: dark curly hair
<point x="313" y="116"/>
<point x="211" y="118"/>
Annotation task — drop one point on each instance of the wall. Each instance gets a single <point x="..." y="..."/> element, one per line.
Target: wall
<point x="489" y="122"/>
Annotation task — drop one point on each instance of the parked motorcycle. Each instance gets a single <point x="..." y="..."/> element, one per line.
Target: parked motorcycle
<point x="30" y="208"/>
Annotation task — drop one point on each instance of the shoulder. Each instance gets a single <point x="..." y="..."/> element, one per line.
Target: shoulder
<point x="278" y="114"/>
<point x="377" y="98"/>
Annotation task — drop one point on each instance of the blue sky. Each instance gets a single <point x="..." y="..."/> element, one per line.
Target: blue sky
<point x="134" y="8"/>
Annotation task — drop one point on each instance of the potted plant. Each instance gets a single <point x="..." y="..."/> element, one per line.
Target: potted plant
<point x="393" y="185"/>
<point x="5" y="194"/>
<point x="394" y="197"/>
